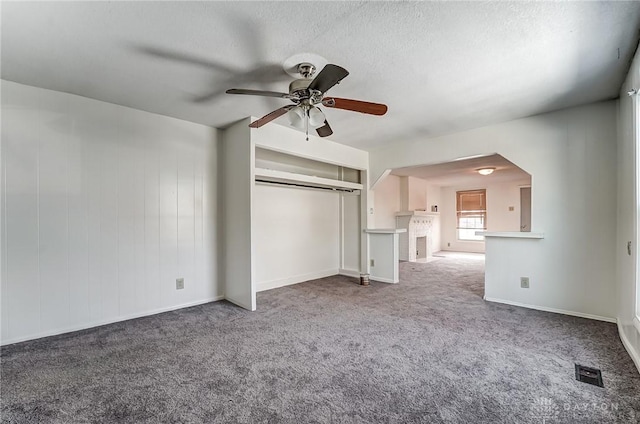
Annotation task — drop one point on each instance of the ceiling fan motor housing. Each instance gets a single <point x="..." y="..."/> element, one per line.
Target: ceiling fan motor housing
<point x="299" y="86"/>
<point x="300" y="89"/>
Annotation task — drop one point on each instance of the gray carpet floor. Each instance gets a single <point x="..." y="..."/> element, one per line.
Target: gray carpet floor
<point x="427" y="350"/>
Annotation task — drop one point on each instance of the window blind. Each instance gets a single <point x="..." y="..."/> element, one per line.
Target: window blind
<point x="471" y="208"/>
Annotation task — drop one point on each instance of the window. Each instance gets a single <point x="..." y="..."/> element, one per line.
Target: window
<point x="471" y="208"/>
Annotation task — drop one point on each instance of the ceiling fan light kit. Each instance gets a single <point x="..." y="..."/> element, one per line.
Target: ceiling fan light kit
<point x="306" y="93"/>
<point x="298" y="116"/>
<point x="316" y="117"/>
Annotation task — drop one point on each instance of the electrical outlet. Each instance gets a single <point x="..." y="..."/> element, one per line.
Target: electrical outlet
<point x="524" y="282"/>
<point x="179" y="283"/>
<point x="448" y="244"/>
<point x="373" y="262"/>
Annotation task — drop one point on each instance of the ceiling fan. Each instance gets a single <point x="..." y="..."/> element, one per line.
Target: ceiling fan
<point x="306" y="93"/>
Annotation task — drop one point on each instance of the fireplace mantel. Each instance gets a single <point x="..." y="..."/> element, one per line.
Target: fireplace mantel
<point x="417" y="213"/>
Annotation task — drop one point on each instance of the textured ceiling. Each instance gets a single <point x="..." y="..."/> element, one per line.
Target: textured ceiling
<point x="441" y="67"/>
<point x="463" y="173"/>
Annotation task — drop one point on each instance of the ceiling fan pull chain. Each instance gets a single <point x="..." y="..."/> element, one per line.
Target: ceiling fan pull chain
<point x="306" y="123"/>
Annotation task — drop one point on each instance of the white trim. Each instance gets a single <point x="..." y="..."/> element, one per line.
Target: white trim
<point x="554" y="310"/>
<point x="417" y="213"/>
<point x="383" y="280"/>
<point x="109" y="321"/>
<point x="635" y="356"/>
<point x="243" y="305"/>
<point x="636" y="324"/>
<point x="510" y="234"/>
<point x="291" y="177"/>
<point x="382" y="176"/>
<point x="464" y="240"/>
<point x="275" y="138"/>
<point x="281" y="282"/>
<point x="349" y="272"/>
<point x="385" y="230"/>
<point x="635" y="145"/>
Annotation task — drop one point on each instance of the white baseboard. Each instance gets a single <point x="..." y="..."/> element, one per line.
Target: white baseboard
<point x="281" y="282"/>
<point x="458" y="249"/>
<point x="635" y="355"/>
<point x="85" y="326"/>
<point x="349" y="272"/>
<point x="243" y="305"/>
<point x="383" y="280"/>
<point x="554" y="310"/>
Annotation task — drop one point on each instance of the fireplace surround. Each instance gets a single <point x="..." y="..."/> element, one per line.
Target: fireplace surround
<point x="418" y="224"/>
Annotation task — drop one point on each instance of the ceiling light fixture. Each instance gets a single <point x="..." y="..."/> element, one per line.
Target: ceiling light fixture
<point x="485" y="171"/>
<point x="303" y="117"/>
<point x="316" y="117"/>
<point x="297" y="118"/>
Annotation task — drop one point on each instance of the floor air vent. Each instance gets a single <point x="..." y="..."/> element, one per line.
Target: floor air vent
<point x="589" y="375"/>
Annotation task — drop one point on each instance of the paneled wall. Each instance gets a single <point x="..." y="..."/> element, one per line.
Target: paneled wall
<point x="103" y="207"/>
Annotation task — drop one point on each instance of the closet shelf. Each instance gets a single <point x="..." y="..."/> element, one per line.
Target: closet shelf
<point x="290" y="177"/>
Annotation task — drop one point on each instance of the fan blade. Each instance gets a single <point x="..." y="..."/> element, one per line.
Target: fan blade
<point x="328" y="77"/>
<point x="355" y="105"/>
<point x="271" y="116"/>
<point x="325" y="130"/>
<point x="259" y="93"/>
<point x="187" y="58"/>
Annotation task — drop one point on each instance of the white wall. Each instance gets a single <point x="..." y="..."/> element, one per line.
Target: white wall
<point x="351" y="234"/>
<point x="499" y="218"/>
<point x="287" y="140"/>
<point x="501" y="197"/>
<point x="571" y="158"/>
<point x="434" y="196"/>
<point x="386" y="196"/>
<point x="627" y="210"/>
<point x="103" y="207"/>
<point x="417" y="195"/>
<point x="296" y="235"/>
<point x="385" y="255"/>
<point x="237" y="164"/>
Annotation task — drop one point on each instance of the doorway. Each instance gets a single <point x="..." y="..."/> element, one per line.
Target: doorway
<point x="525" y="209"/>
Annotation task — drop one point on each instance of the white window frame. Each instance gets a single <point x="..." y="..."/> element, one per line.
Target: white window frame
<point x="472" y="238"/>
